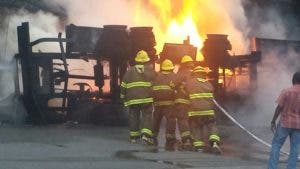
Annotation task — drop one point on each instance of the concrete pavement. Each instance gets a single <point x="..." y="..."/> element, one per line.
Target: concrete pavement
<point x="95" y="147"/>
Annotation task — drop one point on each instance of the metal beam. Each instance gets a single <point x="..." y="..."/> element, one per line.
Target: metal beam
<point x="41" y="40"/>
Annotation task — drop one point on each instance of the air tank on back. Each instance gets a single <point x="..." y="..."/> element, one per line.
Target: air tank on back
<point x="142" y="38"/>
<point x="113" y="46"/>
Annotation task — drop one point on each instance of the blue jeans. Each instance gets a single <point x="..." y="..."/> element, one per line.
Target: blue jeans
<point x="279" y="138"/>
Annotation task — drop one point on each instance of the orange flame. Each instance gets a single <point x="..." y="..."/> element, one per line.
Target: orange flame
<point x="178" y="31"/>
<point x="171" y="26"/>
<point x="174" y="20"/>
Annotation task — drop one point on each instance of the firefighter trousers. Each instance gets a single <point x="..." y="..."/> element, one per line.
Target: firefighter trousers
<point x="140" y="120"/>
<point x="165" y="111"/>
<point x="202" y="126"/>
<point x="183" y="121"/>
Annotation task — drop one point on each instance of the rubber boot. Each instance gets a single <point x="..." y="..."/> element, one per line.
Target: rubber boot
<point x="133" y="140"/>
<point x="215" y="148"/>
<point x="199" y="149"/>
<point x="187" y="145"/>
<point x="170" y="144"/>
<point x="147" y="140"/>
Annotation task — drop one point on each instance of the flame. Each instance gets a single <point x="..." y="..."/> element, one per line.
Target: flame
<point x="172" y="26"/>
<point x="178" y="31"/>
<point x="174" y="20"/>
<point x="228" y="72"/>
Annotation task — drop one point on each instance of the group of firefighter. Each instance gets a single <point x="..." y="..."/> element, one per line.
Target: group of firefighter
<point x="184" y="98"/>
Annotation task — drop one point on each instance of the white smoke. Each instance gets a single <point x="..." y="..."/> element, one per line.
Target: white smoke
<point x="276" y="68"/>
<point x="97" y="13"/>
<point x="273" y="76"/>
<point x="238" y="29"/>
<point x="267" y="23"/>
<point x="275" y="71"/>
<point x="42" y="24"/>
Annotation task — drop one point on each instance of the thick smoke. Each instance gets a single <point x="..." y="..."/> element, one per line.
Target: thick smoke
<point x="277" y="66"/>
<point x="42" y="24"/>
<point x="273" y="20"/>
<point x="275" y="70"/>
<point x="97" y="13"/>
<point x="274" y="74"/>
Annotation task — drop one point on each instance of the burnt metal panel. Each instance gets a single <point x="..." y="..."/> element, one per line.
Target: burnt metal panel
<point x="142" y="38"/>
<point x="175" y="52"/>
<point x="83" y="39"/>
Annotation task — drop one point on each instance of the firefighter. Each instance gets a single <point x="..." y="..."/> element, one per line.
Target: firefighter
<point x="136" y="89"/>
<point x="202" y="111"/>
<point x="182" y="100"/>
<point x="163" y="94"/>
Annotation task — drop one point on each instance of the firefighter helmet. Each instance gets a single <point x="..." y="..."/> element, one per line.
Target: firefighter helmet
<point x="167" y="65"/>
<point x="142" y="57"/>
<point x="186" y="59"/>
<point x="199" y="69"/>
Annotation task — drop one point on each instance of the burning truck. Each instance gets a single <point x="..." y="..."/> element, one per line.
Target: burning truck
<point x="81" y="80"/>
<point x="53" y="92"/>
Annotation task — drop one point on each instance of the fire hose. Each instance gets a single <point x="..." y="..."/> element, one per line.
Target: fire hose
<point x="244" y="129"/>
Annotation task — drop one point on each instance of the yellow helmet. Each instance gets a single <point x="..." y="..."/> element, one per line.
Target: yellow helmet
<point x="142" y="57"/>
<point x="167" y="65"/>
<point x="199" y="69"/>
<point x="186" y="58"/>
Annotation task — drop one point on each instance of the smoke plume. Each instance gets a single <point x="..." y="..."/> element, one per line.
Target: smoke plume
<point x="42" y="24"/>
<point x="277" y="66"/>
<point x="275" y="70"/>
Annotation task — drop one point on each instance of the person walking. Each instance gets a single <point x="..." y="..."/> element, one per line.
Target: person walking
<point x="164" y="95"/>
<point x="136" y="93"/>
<point x="202" y="111"/>
<point x="289" y="124"/>
<point x="182" y="100"/>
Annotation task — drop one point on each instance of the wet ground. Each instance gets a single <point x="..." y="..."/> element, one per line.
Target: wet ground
<point x="94" y="147"/>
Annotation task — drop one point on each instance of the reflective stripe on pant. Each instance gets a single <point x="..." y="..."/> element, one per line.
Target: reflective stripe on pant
<point x="182" y="120"/>
<point x="134" y="134"/>
<point x="147" y="131"/>
<point x="198" y="123"/>
<point x="182" y="101"/>
<point x="140" y="115"/>
<point x="160" y="112"/>
<point x="138" y="101"/>
<point x="198" y="143"/>
<point x="201" y="113"/>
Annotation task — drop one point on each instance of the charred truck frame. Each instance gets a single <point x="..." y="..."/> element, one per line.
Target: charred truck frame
<point x="45" y="77"/>
<point x="44" y="73"/>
